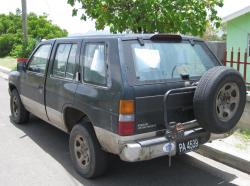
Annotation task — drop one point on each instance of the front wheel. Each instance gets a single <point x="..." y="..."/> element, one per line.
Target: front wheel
<point x="87" y="156"/>
<point x="18" y="113"/>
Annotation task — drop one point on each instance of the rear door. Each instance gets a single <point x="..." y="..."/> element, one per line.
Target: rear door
<point x="61" y="83"/>
<point x="95" y="95"/>
<point x="156" y="67"/>
<point x="32" y="81"/>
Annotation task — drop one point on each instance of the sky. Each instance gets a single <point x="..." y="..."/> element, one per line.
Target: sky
<point x="61" y="13"/>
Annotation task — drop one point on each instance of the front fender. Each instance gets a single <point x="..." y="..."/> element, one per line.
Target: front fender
<point x="14" y="80"/>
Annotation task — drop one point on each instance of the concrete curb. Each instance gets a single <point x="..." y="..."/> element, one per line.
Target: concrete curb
<point x="4" y="72"/>
<point x="225" y="158"/>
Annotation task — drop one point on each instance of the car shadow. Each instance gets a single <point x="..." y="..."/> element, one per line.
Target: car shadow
<point x="185" y="170"/>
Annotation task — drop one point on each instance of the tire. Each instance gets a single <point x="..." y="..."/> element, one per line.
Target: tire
<point x="19" y="114"/>
<point x="96" y="163"/>
<point x="219" y="99"/>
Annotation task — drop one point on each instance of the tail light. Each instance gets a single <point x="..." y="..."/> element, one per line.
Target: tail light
<point x="126" y="125"/>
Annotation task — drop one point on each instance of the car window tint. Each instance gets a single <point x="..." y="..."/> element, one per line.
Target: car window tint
<point x="70" y="69"/>
<point x="60" y="61"/>
<point x="95" y="64"/>
<point x="39" y="60"/>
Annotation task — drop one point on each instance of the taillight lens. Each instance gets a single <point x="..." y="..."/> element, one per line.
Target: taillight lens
<point x="126" y="125"/>
<point x="126" y="107"/>
<point x="126" y="128"/>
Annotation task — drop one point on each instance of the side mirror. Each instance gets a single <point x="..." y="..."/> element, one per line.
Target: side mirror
<point x="21" y="66"/>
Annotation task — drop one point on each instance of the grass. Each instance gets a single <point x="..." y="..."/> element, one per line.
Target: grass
<point x="244" y="134"/>
<point x="8" y="62"/>
<point x="240" y="146"/>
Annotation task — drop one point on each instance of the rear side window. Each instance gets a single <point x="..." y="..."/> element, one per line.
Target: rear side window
<point x="39" y="60"/>
<point x="64" y="62"/>
<point x="95" y="68"/>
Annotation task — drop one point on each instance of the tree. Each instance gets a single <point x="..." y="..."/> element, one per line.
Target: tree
<point x="224" y="32"/>
<point x="7" y="42"/>
<point x="184" y="16"/>
<point x="211" y="34"/>
<point x="214" y="34"/>
<point x="39" y="27"/>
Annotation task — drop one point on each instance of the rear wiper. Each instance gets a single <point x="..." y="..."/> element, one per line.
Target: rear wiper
<point x="184" y="76"/>
<point x="140" y="40"/>
<point x="191" y="41"/>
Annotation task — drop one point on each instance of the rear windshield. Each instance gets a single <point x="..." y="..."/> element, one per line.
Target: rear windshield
<point x="155" y="61"/>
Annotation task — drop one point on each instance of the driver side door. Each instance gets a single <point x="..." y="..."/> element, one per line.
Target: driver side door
<point x="33" y="79"/>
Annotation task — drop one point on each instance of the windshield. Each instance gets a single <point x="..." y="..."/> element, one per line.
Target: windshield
<point x="161" y="61"/>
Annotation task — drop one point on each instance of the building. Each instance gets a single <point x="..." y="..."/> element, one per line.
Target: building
<point x="238" y="31"/>
<point x="238" y="37"/>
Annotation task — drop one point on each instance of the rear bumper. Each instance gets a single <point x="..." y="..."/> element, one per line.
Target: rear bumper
<point x="158" y="146"/>
<point x="150" y="145"/>
<point x="147" y="149"/>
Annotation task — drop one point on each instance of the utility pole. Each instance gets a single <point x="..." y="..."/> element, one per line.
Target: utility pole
<point x="24" y="21"/>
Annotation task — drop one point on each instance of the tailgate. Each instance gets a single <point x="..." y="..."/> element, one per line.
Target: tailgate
<point x="150" y="108"/>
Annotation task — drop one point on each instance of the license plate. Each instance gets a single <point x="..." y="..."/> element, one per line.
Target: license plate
<point x="188" y="145"/>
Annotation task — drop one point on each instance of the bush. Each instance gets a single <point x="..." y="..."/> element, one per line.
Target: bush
<point x="24" y="50"/>
<point x="7" y="41"/>
<point x="11" y="37"/>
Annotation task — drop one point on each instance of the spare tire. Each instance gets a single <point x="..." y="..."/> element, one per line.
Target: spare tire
<point x="219" y="99"/>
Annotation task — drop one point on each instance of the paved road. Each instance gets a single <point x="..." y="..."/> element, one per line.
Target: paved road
<point x="37" y="154"/>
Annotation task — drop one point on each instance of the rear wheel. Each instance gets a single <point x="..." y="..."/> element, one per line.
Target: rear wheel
<point x="87" y="156"/>
<point x="18" y="113"/>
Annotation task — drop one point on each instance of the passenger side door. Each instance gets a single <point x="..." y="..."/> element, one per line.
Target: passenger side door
<point x="93" y="94"/>
<point x="61" y="83"/>
<point x="32" y="81"/>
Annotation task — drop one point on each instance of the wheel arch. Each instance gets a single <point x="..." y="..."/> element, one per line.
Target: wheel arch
<point x="72" y="116"/>
<point x="12" y="86"/>
<point x="14" y="81"/>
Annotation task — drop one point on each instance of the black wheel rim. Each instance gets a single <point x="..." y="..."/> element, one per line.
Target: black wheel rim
<point x="15" y="106"/>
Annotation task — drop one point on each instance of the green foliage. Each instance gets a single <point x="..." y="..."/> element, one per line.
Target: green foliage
<point x="244" y="133"/>
<point x="214" y="34"/>
<point x="39" y="27"/>
<point x="11" y="23"/>
<point x="23" y="50"/>
<point x="224" y="31"/>
<point x="211" y="34"/>
<point x="7" y="41"/>
<point x="184" y="16"/>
